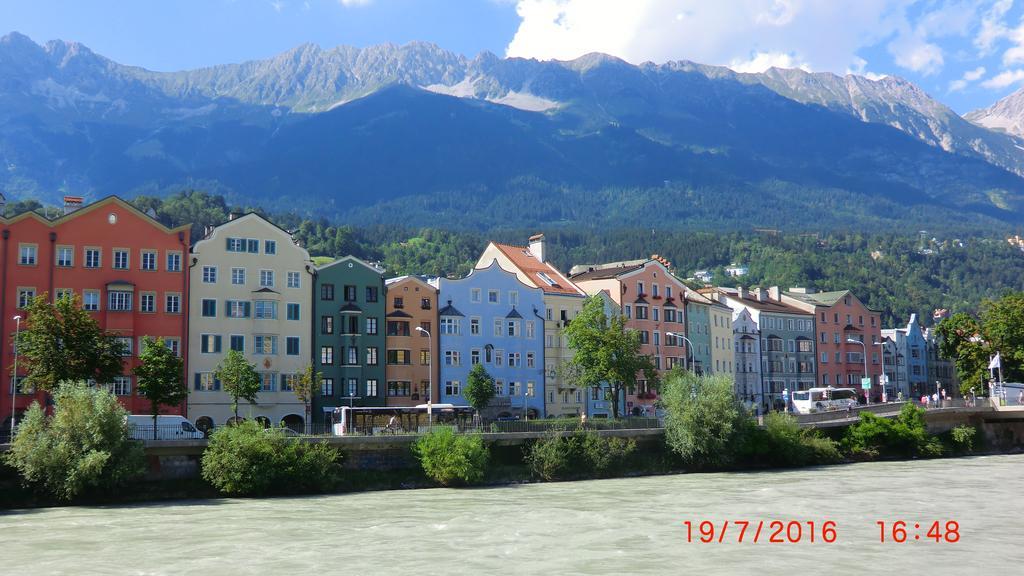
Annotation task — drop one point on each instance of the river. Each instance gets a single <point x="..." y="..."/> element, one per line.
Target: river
<point x="621" y="526"/>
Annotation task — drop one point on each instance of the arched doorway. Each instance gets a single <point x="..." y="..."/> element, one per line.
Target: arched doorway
<point x="235" y="420"/>
<point x="294" y="422"/>
<point x="263" y="421"/>
<point x="205" y="425"/>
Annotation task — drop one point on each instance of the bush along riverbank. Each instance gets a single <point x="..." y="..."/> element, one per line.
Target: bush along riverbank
<point x="705" y="430"/>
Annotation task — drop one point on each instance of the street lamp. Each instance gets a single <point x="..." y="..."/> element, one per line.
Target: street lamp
<point x="689" y="346"/>
<point x="430" y="373"/>
<point x="867" y="394"/>
<point x="884" y="381"/>
<point x="14" y="376"/>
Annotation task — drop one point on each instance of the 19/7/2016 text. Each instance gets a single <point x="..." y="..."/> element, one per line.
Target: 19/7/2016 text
<point x="809" y="531"/>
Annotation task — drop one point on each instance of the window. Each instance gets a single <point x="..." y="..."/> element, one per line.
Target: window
<point x="452" y="388"/>
<point x="425" y="329"/>
<point x="236" y="245"/>
<point x="121" y="386"/>
<point x="499" y="357"/>
<point x="269" y="247"/>
<point x="654" y="290"/>
<point x="655" y="312"/>
<point x="149" y="260"/>
<point x="292" y="345"/>
<point x="640" y="289"/>
<point x="289" y="381"/>
<point x="27" y="254"/>
<point x="371" y="356"/>
<point x="350" y="293"/>
<point x="294" y="280"/>
<point x="497" y="326"/>
<point x="266" y="278"/>
<point x="238" y="276"/>
<point x="474" y="295"/>
<point x="126" y="345"/>
<point x="239" y="309"/>
<point x="425" y="304"/>
<point x="252" y="246"/>
<point x="530" y="332"/>
<point x="400" y="357"/>
<point x="120" y="259"/>
<point x="327" y="387"/>
<point x="91" y="300"/>
<point x="514" y="360"/>
<point x="824" y="357"/>
<point x="209" y="274"/>
<point x="63" y="293"/>
<point x="512" y="328"/>
<point x="206" y="382"/>
<point x="371" y="387"/>
<point x="371" y="293"/>
<point x="803" y="346"/>
<point x="352" y="359"/>
<point x="327" y="291"/>
<point x="327" y="324"/>
<point x="293" y="311"/>
<point x="353" y="325"/>
<point x="237" y="342"/>
<point x="513" y="297"/>
<point x="174" y="261"/>
<point x="474" y="356"/>
<point x="353" y="386"/>
<point x="119" y="300"/>
<point x="265" y="345"/>
<point x="474" y="326"/>
<point x="398" y="388"/>
<point x="65" y="256"/>
<point x="172" y="303"/>
<point x="424" y="357"/>
<point x="492" y="296"/>
<point x="452" y="358"/>
<point x="209" y="343"/>
<point x="398" y="328"/>
<point x="450" y="325"/>
<point x="92" y="257"/>
<point x="25" y="296"/>
<point x="513" y="388"/>
<point x="371" y="326"/>
<point x="530" y="391"/>
<point x="641" y="312"/>
<point x="209" y="308"/>
<point x="265" y="310"/>
<point x="530" y="361"/>
<point x="268" y="381"/>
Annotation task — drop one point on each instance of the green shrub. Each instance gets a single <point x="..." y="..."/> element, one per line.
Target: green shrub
<point x="83" y="447"/>
<point x="904" y="436"/>
<point x="963" y="438"/>
<point x="605" y="455"/>
<point x="704" y="423"/>
<point x="452" y="459"/>
<point x="559" y="456"/>
<point x="249" y="460"/>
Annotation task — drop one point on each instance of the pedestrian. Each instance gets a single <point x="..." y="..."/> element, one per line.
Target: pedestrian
<point x="583" y="419"/>
<point x="1020" y="398"/>
<point x="899" y="396"/>
<point x="924" y="401"/>
<point x="935" y="399"/>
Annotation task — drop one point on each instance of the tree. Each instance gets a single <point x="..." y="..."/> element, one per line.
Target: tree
<point x="160" y="375"/>
<point x="239" y="379"/>
<point x="605" y="352"/>
<point x="307" y="385"/>
<point x="704" y="422"/>
<point x="83" y="446"/>
<point x="63" y="343"/>
<point x="961" y="339"/>
<point x="1003" y="322"/>
<point x="479" y="388"/>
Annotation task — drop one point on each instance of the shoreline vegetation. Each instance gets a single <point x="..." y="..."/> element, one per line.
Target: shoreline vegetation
<point x="705" y="431"/>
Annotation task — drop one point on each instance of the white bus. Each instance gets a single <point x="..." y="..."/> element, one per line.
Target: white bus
<point x="823" y="399"/>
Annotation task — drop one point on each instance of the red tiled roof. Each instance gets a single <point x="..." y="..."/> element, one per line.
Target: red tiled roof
<point x="537" y="270"/>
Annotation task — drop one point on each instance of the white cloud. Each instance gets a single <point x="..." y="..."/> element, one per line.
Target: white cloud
<point x="992" y="27"/>
<point x="351" y="3"/>
<point x="277" y="5"/>
<point x="765" y="60"/>
<point x="968" y="77"/>
<point x="860" y="69"/>
<point x="814" y="34"/>
<point x="913" y="52"/>
<point x="1004" y="79"/>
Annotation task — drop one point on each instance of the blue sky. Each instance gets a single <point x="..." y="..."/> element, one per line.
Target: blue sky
<point x="966" y="53"/>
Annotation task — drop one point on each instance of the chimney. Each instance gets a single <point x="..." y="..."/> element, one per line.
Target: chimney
<point x="72" y="203"/>
<point x="3" y="203"/>
<point x="762" y="294"/>
<point x="537" y="246"/>
<point x="773" y="293"/>
<point x="742" y="292"/>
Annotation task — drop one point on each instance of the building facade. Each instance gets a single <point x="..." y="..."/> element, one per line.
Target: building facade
<point x="747" y="347"/>
<point x="411" y="340"/>
<point x="652" y="301"/>
<point x="841" y="317"/>
<point x="492" y="318"/>
<point x="251" y="292"/>
<point x="911" y="347"/>
<point x="127" y="268"/>
<point x="563" y="300"/>
<point x="722" y="349"/>
<point x="942" y="370"/>
<point x="698" y="330"/>
<point x="349" y="335"/>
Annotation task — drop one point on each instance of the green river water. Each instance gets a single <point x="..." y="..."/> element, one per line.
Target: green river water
<point x="622" y="526"/>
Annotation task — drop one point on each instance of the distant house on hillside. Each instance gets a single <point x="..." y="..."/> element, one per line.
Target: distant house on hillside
<point x="704" y="276"/>
<point x="737" y="270"/>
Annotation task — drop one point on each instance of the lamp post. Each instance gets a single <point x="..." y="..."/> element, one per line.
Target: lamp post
<point x="430" y="373"/>
<point x="14" y="375"/>
<point x="689" y="347"/>
<point x="884" y="380"/>
<point x="867" y="393"/>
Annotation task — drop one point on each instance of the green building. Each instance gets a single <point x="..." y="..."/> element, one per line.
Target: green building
<point x="348" y="335"/>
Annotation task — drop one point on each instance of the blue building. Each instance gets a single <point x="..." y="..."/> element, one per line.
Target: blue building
<point x="911" y="359"/>
<point x="491" y="318"/>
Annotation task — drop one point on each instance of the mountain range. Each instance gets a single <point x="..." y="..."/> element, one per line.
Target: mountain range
<point x="415" y="134"/>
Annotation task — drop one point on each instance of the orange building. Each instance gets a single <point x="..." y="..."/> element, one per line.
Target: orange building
<point x="128" y="269"/>
<point x="411" y="304"/>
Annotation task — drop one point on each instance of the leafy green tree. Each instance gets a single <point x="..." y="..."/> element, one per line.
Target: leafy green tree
<point x="452" y="459"/>
<point x="606" y="353"/>
<point x="160" y="373"/>
<point x="479" y="388"/>
<point x="704" y="422"/>
<point x="1003" y="322"/>
<point x="961" y="339"/>
<point x="60" y="342"/>
<point x="239" y="379"/>
<point x="309" y="382"/>
<point x="84" y="446"/>
<point x="248" y="460"/>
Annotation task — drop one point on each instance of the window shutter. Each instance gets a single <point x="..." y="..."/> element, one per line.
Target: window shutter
<point x="197" y="376"/>
<point x="248" y="309"/>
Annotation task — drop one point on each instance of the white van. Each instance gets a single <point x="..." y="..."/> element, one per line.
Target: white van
<point x="140" y="427"/>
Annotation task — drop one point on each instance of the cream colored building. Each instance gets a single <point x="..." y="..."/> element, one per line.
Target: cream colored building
<point x="250" y="290"/>
<point x="722" y="352"/>
<point x="563" y="300"/>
